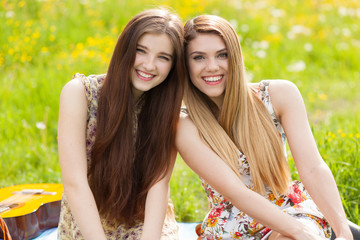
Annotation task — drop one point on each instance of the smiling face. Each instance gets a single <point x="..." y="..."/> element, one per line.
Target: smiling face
<point x="208" y="65"/>
<point x="153" y="61"/>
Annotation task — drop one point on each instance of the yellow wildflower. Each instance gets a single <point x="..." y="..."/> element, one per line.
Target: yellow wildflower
<point x="322" y="96"/>
<point x="21" y="4"/>
<point x="11" y="51"/>
<point x="23" y="58"/>
<point x="35" y="35"/>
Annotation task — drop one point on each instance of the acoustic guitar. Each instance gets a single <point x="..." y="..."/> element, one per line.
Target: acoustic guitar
<point x="30" y="209"/>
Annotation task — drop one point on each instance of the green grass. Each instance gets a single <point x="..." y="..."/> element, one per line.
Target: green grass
<point x="44" y="43"/>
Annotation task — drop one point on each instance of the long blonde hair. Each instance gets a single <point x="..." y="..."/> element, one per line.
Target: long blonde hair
<point x="244" y="123"/>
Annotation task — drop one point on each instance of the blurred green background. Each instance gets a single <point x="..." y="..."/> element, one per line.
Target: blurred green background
<point x="43" y="43"/>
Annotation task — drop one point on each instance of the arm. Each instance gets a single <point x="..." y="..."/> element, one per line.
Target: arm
<point x="156" y="205"/>
<point x="313" y="171"/>
<point x="203" y="161"/>
<point x="73" y="163"/>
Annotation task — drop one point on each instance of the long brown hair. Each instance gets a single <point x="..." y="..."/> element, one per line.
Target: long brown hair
<point x="244" y="122"/>
<point x="124" y="166"/>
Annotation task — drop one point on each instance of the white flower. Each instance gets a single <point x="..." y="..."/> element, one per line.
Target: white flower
<point x="355" y="43"/>
<point x="9" y="14"/>
<point x="244" y="27"/>
<point x="25" y="124"/>
<point x="342" y="11"/>
<point x="322" y="18"/>
<point x="264" y="44"/>
<point x="249" y="76"/>
<point x="261" y="54"/>
<point x="277" y="13"/>
<point x="342" y="46"/>
<point x="346" y="32"/>
<point x="260" y="5"/>
<point x="234" y="23"/>
<point x="308" y="47"/>
<point x="298" y="29"/>
<point x="296" y="66"/>
<point x="273" y="28"/>
<point x="40" y="125"/>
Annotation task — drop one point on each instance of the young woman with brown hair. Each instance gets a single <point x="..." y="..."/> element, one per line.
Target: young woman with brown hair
<point x="233" y="135"/>
<point x="116" y="136"/>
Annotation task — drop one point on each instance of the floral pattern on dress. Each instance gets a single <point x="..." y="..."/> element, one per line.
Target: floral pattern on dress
<point x="225" y="221"/>
<point x="67" y="228"/>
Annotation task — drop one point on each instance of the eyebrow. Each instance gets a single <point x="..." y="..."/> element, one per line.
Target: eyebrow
<point x="199" y="52"/>
<point x="161" y="53"/>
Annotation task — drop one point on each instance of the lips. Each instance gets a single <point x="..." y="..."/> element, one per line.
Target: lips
<point x="213" y="80"/>
<point x="144" y="75"/>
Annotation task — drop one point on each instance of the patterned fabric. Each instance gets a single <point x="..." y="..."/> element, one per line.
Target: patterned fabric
<point x="68" y="228"/>
<point x="225" y="221"/>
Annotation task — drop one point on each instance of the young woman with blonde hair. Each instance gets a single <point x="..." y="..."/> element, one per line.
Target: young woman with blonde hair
<point x="116" y="136"/>
<point x="233" y="135"/>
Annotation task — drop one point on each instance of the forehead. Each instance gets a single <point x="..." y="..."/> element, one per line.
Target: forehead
<point x="206" y="42"/>
<point x="156" y="42"/>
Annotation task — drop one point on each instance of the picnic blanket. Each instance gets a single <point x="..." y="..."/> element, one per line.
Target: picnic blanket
<point x="186" y="232"/>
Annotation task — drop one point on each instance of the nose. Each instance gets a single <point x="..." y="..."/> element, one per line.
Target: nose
<point x="149" y="63"/>
<point x="212" y="65"/>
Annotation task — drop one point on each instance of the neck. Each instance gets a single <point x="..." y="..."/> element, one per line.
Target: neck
<point x="218" y="101"/>
<point x="137" y="94"/>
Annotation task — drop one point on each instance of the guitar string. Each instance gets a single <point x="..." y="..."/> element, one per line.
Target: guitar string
<point x="17" y="198"/>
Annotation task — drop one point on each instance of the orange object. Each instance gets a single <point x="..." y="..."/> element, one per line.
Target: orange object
<point x="198" y="229"/>
<point x="4" y="229"/>
<point x="30" y="209"/>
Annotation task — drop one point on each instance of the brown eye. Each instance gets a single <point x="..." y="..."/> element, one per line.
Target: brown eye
<point x="223" y="55"/>
<point x="198" y="57"/>
<point x="139" y="50"/>
<point x="165" y="58"/>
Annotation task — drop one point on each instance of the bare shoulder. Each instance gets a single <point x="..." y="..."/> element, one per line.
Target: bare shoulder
<point x="74" y="89"/>
<point x="185" y="122"/>
<point x="74" y="85"/>
<point x="284" y="95"/>
<point x="187" y="133"/>
<point x="280" y="87"/>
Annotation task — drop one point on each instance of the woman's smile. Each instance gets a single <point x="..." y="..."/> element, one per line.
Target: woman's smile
<point x="213" y="80"/>
<point x="144" y="75"/>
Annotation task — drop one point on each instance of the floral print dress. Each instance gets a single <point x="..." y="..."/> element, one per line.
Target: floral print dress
<point x="225" y="221"/>
<point x="67" y="228"/>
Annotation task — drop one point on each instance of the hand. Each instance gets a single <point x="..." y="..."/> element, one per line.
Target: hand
<point x="308" y="233"/>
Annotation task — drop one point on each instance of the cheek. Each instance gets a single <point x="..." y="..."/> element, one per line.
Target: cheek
<point x="193" y="72"/>
<point x="165" y="69"/>
<point x="138" y="60"/>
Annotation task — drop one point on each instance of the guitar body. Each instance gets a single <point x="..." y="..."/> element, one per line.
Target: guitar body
<point x="30" y="209"/>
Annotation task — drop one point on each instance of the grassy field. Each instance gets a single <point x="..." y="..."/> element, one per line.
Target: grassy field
<point x="43" y="43"/>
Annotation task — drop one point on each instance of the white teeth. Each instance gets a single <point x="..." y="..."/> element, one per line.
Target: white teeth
<point x="144" y="74"/>
<point x="213" y="79"/>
